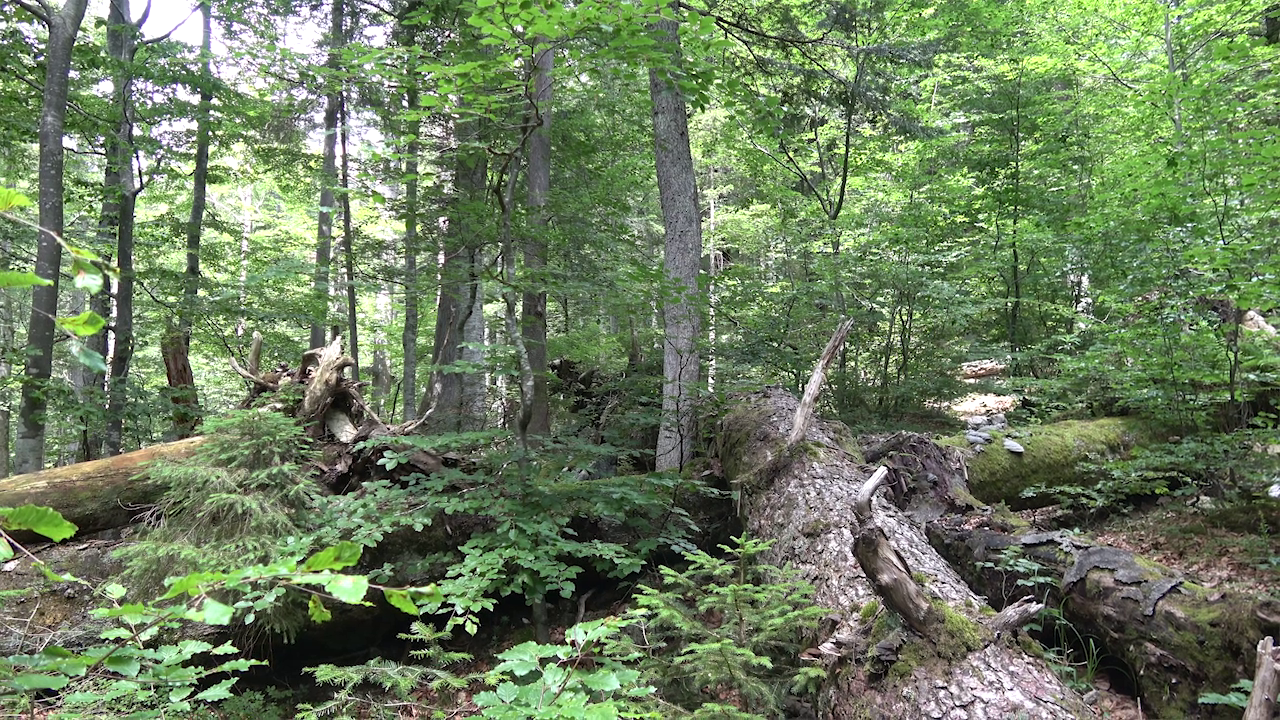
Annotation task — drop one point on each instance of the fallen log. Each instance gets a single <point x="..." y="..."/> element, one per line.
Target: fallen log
<point x="1052" y="457"/>
<point x="802" y="496"/>
<point x="1175" y="639"/>
<point x="96" y="495"/>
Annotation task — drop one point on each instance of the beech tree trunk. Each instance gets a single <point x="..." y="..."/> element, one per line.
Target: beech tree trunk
<point x="63" y="27"/>
<point x="409" y="338"/>
<point x="678" y="192"/>
<point x="803" y="498"/>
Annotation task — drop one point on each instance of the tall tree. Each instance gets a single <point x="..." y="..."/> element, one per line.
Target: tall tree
<point x="534" y="303"/>
<point x="328" y="178"/>
<point x="678" y="192"/>
<point x="62" y="25"/>
<point x="409" y="338"/>
<point x="119" y="208"/>
<point x="177" y="345"/>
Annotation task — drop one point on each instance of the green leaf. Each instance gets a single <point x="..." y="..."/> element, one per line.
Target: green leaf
<point x="216" y="613"/>
<point x="127" y="666"/>
<point x="38" y="682"/>
<point x="38" y="519"/>
<point x="318" y="612"/>
<point x="13" y="279"/>
<point x="12" y="199"/>
<point x="87" y="357"/>
<point x="348" y="588"/>
<point x="343" y="555"/>
<point x="399" y="600"/>
<point x="6" y="550"/>
<point x="221" y="691"/>
<point x="83" y="325"/>
<point x="86" y="276"/>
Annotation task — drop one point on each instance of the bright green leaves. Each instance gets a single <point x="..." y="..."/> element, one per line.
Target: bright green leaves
<point x="12" y="279"/>
<point x="11" y="200"/>
<point x="45" y="521"/>
<point x="343" y="555"/>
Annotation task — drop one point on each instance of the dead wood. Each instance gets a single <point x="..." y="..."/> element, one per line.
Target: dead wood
<point x="99" y="494"/>
<point x="804" y="413"/>
<point x="1266" y="682"/>
<point x="802" y="499"/>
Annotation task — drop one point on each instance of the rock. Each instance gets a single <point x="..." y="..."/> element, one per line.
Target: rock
<point x="999" y="419"/>
<point x="976" y="421"/>
<point x="1012" y="446"/>
<point x="977" y="438"/>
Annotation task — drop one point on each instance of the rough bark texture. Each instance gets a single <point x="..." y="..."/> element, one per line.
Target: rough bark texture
<point x="533" y="325"/>
<point x="409" y="338"/>
<point x="63" y="26"/>
<point x="803" y="500"/>
<point x="1266" y="682"/>
<point x="1175" y="638"/>
<point x="95" y="495"/>
<point x="455" y="400"/>
<point x="678" y="192"/>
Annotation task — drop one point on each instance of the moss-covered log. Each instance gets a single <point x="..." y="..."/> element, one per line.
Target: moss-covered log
<point x="95" y="495"/>
<point x="802" y="497"/>
<point x="1176" y="639"/>
<point x="1052" y="457"/>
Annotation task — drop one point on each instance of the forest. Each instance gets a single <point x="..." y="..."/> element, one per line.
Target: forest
<point x="840" y="359"/>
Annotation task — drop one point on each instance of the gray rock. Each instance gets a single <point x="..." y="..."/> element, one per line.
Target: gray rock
<point x="977" y="438"/>
<point x="1012" y="446"/>
<point x="976" y="421"/>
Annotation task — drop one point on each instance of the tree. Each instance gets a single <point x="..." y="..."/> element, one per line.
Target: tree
<point x="681" y="308"/>
<point x="62" y="25"/>
<point x="328" y="178"/>
<point x="534" y="304"/>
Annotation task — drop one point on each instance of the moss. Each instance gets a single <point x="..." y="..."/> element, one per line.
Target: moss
<point x="815" y="528"/>
<point x="1052" y="454"/>
<point x="919" y="578"/>
<point x="869" y="610"/>
<point x="959" y="635"/>
<point x="913" y="655"/>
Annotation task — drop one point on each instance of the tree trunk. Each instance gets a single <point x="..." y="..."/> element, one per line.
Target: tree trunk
<point x="177" y="352"/>
<point x="409" y="339"/>
<point x="63" y="27"/>
<point x="95" y="495"/>
<point x="802" y="497"/>
<point x="455" y="400"/>
<point x="1174" y="639"/>
<point x="678" y="192"/>
<point x="121" y="46"/>
<point x="533" y="309"/>
<point x="348" y="249"/>
<point x="328" y="179"/>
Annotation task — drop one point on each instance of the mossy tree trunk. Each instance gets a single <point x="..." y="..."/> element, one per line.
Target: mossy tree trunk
<point x="803" y="499"/>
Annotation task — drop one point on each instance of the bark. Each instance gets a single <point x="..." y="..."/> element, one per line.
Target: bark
<point x="99" y="494"/>
<point x="678" y="192"/>
<point x="802" y="499"/>
<point x="1266" y="682"/>
<point x="121" y="189"/>
<point x="409" y="338"/>
<point x="533" y="310"/>
<point x="186" y="401"/>
<point x="348" y="249"/>
<point x="63" y="26"/>
<point x="1175" y="639"/>
<point x="455" y="400"/>
<point x="328" y="179"/>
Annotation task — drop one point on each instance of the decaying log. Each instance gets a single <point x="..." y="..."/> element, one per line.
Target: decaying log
<point x="95" y="495"/>
<point x="1266" y="682"/>
<point x="884" y="567"/>
<point x="1176" y="639"/>
<point x="803" y="501"/>
<point x="804" y="415"/>
<point x="1052" y="456"/>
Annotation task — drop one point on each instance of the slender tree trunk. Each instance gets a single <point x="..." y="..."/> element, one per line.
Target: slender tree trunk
<point x="678" y="191"/>
<point x="8" y="322"/>
<point x="328" y="179"/>
<point x="62" y="26"/>
<point x="533" y="325"/>
<point x="409" y="339"/>
<point x="121" y="46"/>
<point x="177" y="349"/>
<point x="348" y="251"/>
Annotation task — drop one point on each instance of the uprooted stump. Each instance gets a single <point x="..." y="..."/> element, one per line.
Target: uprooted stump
<point x="802" y="496"/>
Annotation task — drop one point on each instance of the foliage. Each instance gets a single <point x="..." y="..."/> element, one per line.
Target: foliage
<point x="395" y="680"/>
<point x="237" y="501"/>
<point x="584" y="678"/>
<point x="1237" y="698"/>
<point x="138" y="669"/>
<point x="720" y="638"/>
